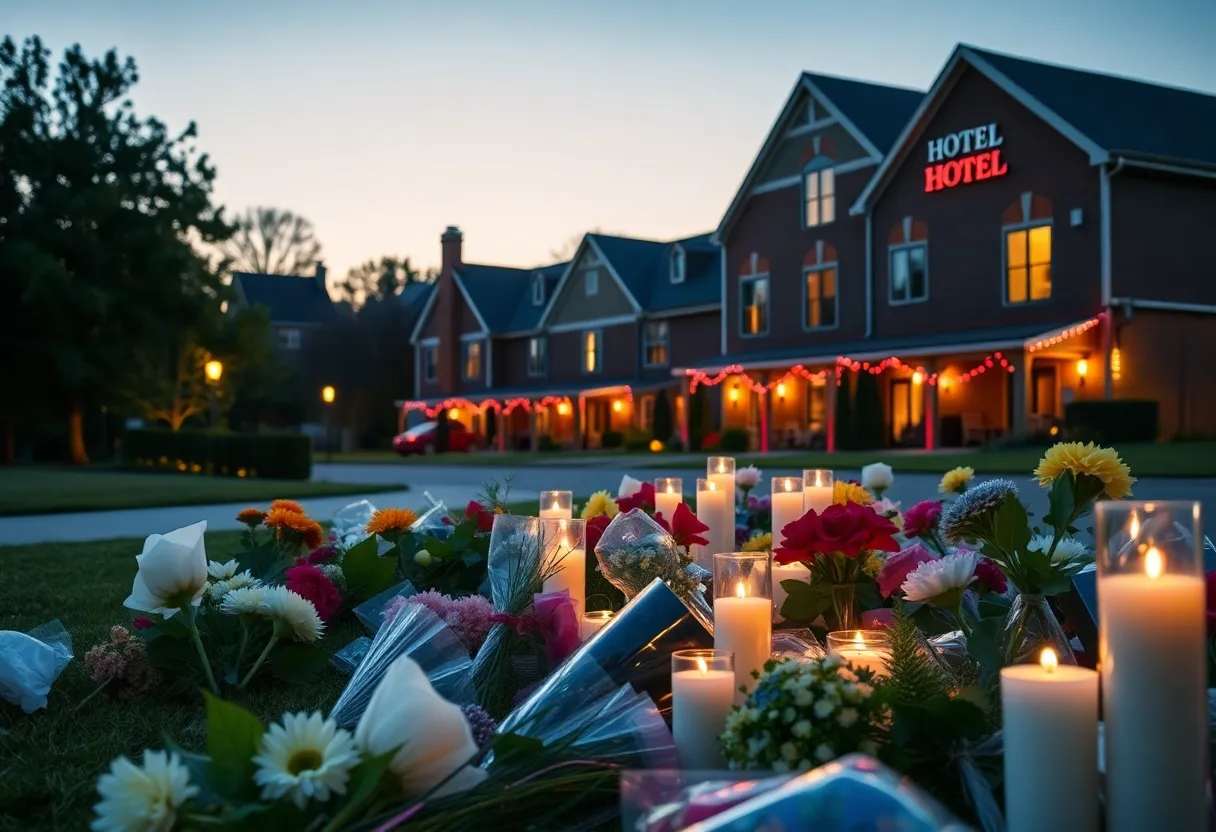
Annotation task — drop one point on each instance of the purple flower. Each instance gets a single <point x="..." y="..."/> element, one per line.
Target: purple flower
<point x="468" y="617"/>
<point x="742" y="533"/>
<point x="481" y="724"/>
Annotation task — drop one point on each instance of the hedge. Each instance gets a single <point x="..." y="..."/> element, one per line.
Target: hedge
<point x="263" y="455"/>
<point x="736" y="440"/>
<point x="1112" y="422"/>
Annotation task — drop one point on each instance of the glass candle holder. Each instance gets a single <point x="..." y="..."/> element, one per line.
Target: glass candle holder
<point x="592" y="622"/>
<point x="702" y="694"/>
<point x="870" y="649"/>
<point x="818" y="488"/>
<point x="556" y="505"/>
<point x="1152" y="656"/>
<point x="565" y="549"/>
<point x="714" y="510"/>
<point x="668" y="493"/>
<point x="743" y="612"/>
<point x="721" y="472"/>
<point x="786" y="498"/>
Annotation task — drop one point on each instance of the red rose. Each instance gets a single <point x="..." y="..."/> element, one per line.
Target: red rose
<point x="485" y="519"/>
<point x="847" y="530"/>
<point x="990" y="576"/>
<point x="310" y="583"/>
<point x="898" y="567"/>
<point x="685" y="527"/>
<point x="595" y="530"/>
<point x="922" y="518"/>
<point x="643" y="498"/>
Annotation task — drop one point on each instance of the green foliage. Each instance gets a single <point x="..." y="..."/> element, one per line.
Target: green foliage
<point x="612" y="439"/>
<point x="458" y="562"/>
<point x="734" y="439"/>
<point x="232" y="741"/>
<point x="916" y="675"/>
<point x="868" y="414"/>
<point x="663" y="423"/>
<point x="547" y="445"/>
<point x="846" y="431"/>
<point x="296" y="663"/>
<point x="1114" y="422"/>
<point x="367" y="573"/>
<point x="637" y="440"/>
<point x="276" y="456"/>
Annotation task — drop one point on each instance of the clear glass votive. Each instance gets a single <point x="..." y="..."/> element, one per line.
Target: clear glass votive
<point x="592" y="622"/>
<point x="565" y="564"/>
<point x="702" y="695"/>
<point x="556" y="505"/>
<point x="818" y="488"/>
<point x="743" y="612"/>
<point x="870" y="649"/>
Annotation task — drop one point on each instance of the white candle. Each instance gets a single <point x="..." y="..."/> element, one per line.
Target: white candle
<point x="714" y="512"/>
<point x="1154" y="698"/>
<point x="1050" y="714"/>
<point x="701" y="699"/>
<point x="862" y="650"/>
<point x="571" y="575"/>
<point x="592" y="622"/>
<point x="743" y="625"/>
<point x="721" y="472"/>
<point x="787" y="505"/>
<point x="553" y="511"/>
<point x="792" y="572"/>
<point x="818" y="490"/>
<point x="668" y="494"/>
<point x="556" y="505"/>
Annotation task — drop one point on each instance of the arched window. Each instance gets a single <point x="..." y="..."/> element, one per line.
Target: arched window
<point x="1026" y="250"/>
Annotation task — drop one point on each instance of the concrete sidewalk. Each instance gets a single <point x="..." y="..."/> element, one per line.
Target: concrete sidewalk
<point x="141" y="522"/>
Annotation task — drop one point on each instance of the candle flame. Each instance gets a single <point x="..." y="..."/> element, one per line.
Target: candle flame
<point x="702" y="665"/>
<point x="1048" y="660"/>
<point x="1133" y="528"/>
<point x="787" y="485"/>
<point x="556" y="506"/>
<point x="1154" y="564"/>
<point x="858" y="640"/>
<point x="670" y="490"/>
<point x="712" y="486"/>
<point x="739" y="590"/>
<point x="721" y="467"/>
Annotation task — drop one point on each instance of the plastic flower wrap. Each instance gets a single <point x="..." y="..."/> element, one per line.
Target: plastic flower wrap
<point x="348" y="525"/>
<point x="634" y="550"/>
<point x="671" y="800"/>
<point x="371" y="611"/>
<point x="415" y="632"/>
<point x="31" y="662"/>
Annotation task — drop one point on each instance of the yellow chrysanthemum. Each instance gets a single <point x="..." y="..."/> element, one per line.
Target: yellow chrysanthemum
<point x="600" y="504"/>
<point x="845" y="492"/>
<point x="390" y="520"/>
<point x="956" y="480"/>
<point x="1087" y="458"/>
<point x="872" y="565"/>
<point x="287" y="505"/>
<point x="759" y="543"/>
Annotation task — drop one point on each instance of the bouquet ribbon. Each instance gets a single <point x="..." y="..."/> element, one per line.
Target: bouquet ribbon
<point x="553" y="618"/>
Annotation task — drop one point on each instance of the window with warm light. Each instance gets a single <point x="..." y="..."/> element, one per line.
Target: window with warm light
<point x="472" y="359"/>
<point x="678" y="265"/>
<point x="754" y="304"/>
<point x="820" y="309"/>
<point x="289" y="339"/>
<point x="592" y="350"/>
<point x="591" y="282"/>
<point x="536" y="356"/>
<point x="654" y="343"/>
<point x="909" y="281"/>
<point x="1028" y="264"/>
<point x="819" y="197"/>
<point x="429" y="364"/>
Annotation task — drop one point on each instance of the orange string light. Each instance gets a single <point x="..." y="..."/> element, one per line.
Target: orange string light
<point x="1065" y="334"/>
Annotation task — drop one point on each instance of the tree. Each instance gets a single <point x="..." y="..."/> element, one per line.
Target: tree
<point x="175" y="388"/>
<point x="272" y="241"/>
<point x="96" y="244"/>
<point x="378" y="280"/>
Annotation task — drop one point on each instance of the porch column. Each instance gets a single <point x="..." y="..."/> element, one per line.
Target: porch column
<point x="1020" y="403"/>
<point x="1108" y="346"/>
<point x="830" y="406"/>
<point x="931" y="415"/>
<point x="766" y="417"/>
<point x="500" y="423"/>
<point x="684" y="412"/>
<point x="534" y="426"/>
<point x="579" y="415"/>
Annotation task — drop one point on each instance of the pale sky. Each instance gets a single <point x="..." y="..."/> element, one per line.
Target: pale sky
<point x="526" y="122"/>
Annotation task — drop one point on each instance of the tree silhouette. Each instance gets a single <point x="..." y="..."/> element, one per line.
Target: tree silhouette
<point x="377" y="280"/>
<point x="272" y="241"/>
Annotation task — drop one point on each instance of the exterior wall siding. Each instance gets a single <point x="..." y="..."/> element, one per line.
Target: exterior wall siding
<point x="620" y="358"/>
<point x="694" y="339"/>
<point x="964" y="224"/>
<point x="573" y="304"/>
<point x="511" y="364"/>
<point x="1164" y="356"/>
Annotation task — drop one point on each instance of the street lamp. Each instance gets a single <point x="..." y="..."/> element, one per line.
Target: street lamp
<point x="328" y="395"/>
<point x="214" y="370"/>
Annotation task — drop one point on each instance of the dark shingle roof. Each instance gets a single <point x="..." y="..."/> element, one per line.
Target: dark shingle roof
<point x="1119" y="114"/>
<point x="289" y="299"/>
<point x="644" y="266"/>
<point x="503" y="295"/>
<point x="877" y="110"/>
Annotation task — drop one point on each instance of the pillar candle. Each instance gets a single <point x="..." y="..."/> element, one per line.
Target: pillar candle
<point x="714" y="512"/>
<point x="592" y="622"/>
<point x="701" y="699"/>
<point x="668" y="493"/>
<point x="792" y="572"/>
<point x="1050" y="714"/>
<point x="743" y="625"/>
<point x="720" y="470"/>
<point x="556" y="505"/>
<point x="571" y="575"/>
<point x="787" y="505"/>
<point x="818" y="489"/>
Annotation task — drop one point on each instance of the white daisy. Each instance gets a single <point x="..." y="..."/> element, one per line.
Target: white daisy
<point x="937" y="578"/>
<point x="216" y="590"/>
<point x="1067" y="550"/>
<point x="305" y="756"/>
<point x="142" y="799"/>
<point x="221" y="571"/>
<point x="242" y="579"/>
<point x="243" y="601"/>
<point x="292" y="614"/>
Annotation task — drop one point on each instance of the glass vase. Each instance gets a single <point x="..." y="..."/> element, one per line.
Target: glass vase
<point x="844" y="608"/>
<point x="1032" y="626"/>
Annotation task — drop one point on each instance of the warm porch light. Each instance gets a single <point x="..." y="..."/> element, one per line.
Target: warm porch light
<point x="918" y="377"/>
<point x="781" y="390"/>
<point x="1082" y="367"/>
<point x="328" y="394"/>
<point x="734" y="393"/>
<point x="563" y="408"/>
<point x="944" y="382"/>
<point x="1116" y="364"/>
<point x="214" y="370"/>
<point x="617" y="405"/>
<point x="656" y="445"/>
<point x="454" y="414"/>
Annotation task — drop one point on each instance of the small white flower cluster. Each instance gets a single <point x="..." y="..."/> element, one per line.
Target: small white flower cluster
<point x="802" y="714"/>
<point x="225" y="578"/>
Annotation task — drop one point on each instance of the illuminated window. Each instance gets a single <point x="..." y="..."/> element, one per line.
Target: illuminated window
<point x="1028" y="264"/>
<point x="536" y="356"/>
<point x="909" y="274"/>
<point x="678" y="265"/>
<point x="819" y="197"/>
<point x="428" y="364"/>
<point x="592" y="351"/>
<point x="472" y="359"/>
<point x="592" y="282"/>
<point x="654" y="343"/>
<point x="820" y="309"/>
<point x="538" y="289"/>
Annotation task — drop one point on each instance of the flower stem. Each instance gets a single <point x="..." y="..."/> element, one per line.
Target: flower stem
<point x="240" y="653"/>
<point x="94" y="692"/>
<point x="198" y="645"/>
<point x="274" y="639"/>
<point x="962" y="622"/>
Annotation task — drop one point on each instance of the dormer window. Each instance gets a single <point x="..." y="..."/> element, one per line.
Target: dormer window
<point x="678" y="265"/>
<point x="538" y="289"/>
<point x="818" y="194"/>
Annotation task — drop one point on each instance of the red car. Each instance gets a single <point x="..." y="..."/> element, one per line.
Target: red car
<point x="424" y="439"/>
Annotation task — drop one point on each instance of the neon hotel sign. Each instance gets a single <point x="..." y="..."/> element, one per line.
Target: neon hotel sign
<point x="964" y="157"/>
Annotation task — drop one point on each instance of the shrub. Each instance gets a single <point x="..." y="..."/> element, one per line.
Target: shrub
<point x="637" y="440"/>
<point x="1112" y="422"/>
<point x="612" y="439"/>
<point x="547" y="444"/>
<point x="674" y="445"/>
<point x="734" y="439"/>
<point x="268" y="456"/>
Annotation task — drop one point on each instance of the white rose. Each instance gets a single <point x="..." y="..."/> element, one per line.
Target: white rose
<point x="877" y="477"/>
<point x="431" y="735"/>
<point x="629" y="486"/>
<point x="172" y="572"/>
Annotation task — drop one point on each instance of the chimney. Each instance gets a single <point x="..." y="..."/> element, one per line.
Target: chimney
<point x="451" y="241"/>
<point x="319" y="276"/>
<point x="447" y="313"/>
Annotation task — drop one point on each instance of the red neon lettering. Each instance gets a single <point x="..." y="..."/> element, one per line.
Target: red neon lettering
<point x="968" y="164"/>
<point x="968" y="169"/>
<point x="998" y="168"/>
<point x="952" y="174"/>
<point x="983" y="166"/>
<point x="933" y="178"/>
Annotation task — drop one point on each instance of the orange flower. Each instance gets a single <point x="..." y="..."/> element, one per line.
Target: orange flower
<point x="251" y="516"/>
<point x="389" y="520"/>
<point x="286" y="523"/>
<point x="287" y="505"/>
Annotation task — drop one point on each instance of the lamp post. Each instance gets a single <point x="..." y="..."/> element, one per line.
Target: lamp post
<point x="328" y="394"/>
<point x="214" y="370"/>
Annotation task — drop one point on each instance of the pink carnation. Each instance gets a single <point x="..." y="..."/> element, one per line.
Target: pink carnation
<point x="310" y="583"/>
<point x="469" y="617"/>
<point x="899" y="566"/>
<point x="922" y="518"/>
<point x="989" y="576"/>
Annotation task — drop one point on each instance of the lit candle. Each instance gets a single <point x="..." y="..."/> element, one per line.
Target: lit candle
<point x="743" y="613"/>
<point x="556" y="505"/>
<point x="668" y="493"/>
<point x="714" y="512"/>
<point x="592" y="622"/>
<point x="702" y="693"/>
<point x="1152" y="640"/>
<point x="1050" y="718"/>
<point x="721" y="472"/>
<point x="818" y="489"/>
<point x="791" y="572"/>
<point x="869" y="649"/>
<point x="569" y="555"/>
<point x="787" y="505"/>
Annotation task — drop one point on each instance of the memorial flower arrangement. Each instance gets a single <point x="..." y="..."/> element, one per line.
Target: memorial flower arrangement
<point x="469" y="617"/>
<point x="746" y="479"/>
<point x="635" y="549"/>
<point x="876" y="478"/>
<point x="956" y="480"/>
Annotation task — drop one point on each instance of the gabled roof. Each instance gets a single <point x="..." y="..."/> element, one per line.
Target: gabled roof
<point x="289" y="299"/>
<point x="872" y="113"/>
<point x="1106" y="116"/>
<point x="500" y="296"/>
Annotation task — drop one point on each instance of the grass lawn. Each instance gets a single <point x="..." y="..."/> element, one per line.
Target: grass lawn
<point x="50" y="760"/>
<point x="53" y="490"/>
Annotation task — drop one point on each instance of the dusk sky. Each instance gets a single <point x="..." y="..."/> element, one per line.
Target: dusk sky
<point x="528" y="122"/>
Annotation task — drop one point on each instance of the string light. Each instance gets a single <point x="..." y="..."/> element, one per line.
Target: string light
<point x="1065" y="334"/>
<point x="506" y="407"/>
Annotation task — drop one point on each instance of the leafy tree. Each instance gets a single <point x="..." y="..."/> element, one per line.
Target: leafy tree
<point x="175" y="388"/>
<point x="272" y="241"/>
<point x="97" y="228"/>
<point x="378" y="280"/>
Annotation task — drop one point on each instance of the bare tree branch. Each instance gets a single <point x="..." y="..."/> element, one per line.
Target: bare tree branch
<point x="273" y="241"/>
